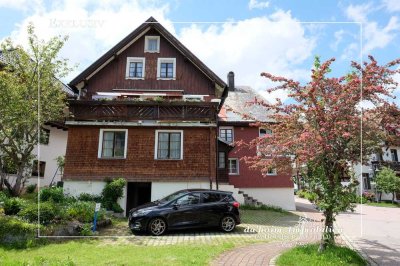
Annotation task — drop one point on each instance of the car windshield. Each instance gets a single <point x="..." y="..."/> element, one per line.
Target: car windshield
<point x="172" y="196"/>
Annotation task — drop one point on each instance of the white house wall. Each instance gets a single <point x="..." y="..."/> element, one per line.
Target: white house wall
<point x="279" y="197"/>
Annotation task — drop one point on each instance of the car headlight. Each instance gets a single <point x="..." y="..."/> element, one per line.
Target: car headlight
<point x="140" y="213"/>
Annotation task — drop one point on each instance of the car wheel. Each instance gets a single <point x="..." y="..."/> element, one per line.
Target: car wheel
<point x="157" y="226"/>
<point x="228" y="224"/>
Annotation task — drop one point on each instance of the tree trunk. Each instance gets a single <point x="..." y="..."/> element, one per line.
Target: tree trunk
<point x="380" y="196"/>
<point x="393" y="193"/>
<point x="328" y="236"/>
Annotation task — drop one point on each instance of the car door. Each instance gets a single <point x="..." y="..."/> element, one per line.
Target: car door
<point x="212" y="208"/>
<point x="185" y="211"/>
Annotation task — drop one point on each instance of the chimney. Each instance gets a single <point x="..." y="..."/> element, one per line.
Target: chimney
<point x="231" y="81"/>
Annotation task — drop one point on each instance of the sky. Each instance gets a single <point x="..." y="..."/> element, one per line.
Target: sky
<point x="248" y="37"/>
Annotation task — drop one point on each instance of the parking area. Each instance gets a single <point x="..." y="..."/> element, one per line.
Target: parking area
<point x="257" y="226"/>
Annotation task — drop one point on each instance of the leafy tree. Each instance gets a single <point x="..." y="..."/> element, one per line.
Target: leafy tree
<point x="29" y="96"/>
<point x="323" y="126"/>
<point x="387" y="181"/>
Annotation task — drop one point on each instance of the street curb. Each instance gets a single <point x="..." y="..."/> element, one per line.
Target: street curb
<point x="356" y="248"/>
<point x="272" y="262"/>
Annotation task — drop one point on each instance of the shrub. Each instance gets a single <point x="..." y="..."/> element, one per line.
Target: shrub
<point x="89" y="197"/>
<point x="86" y="230"/>
<point x="4" y="196"/>
<point x="370" y="196"/>
<point x="112" y="191"/>
<point x="83" y="211"/>
<point x="15" y="233"/>
<point x="30" y="188"/>
<point x="55" y="194"/>
<point x="301" y="193"/>
<point x="12" y="206"/>
<point x="48" y="211"/>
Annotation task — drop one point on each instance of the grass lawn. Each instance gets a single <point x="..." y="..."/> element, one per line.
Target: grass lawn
<point x="307" y="255"/>
<point x="383" y="204"/>
<point x="95" y="252"/>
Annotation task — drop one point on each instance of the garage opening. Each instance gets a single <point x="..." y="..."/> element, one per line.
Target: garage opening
<point x="138" y="193"/>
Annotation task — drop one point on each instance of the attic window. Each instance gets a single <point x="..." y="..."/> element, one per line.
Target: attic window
<point x="166" y="68"/>
<point x="152" y="44"/>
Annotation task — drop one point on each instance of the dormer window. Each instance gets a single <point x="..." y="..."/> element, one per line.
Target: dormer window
<point x="135" y="68"/>
<point x="152" y="44"/>
<point x="166" y="68"/>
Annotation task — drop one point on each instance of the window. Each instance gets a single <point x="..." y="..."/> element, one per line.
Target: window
<point x="211" y="197"/>
<point x="226" y="134"/>
<point x="264" y="132"/>
<point x="38" y="170"/>
<point x="221" y="159"/>
<point x="169" y="144"/>
<point x="166" y="68"/>
<point x="233" y="166"/>
<point x="189" y="199"/>
<point x="393" y="152"/>
<point x="152" y="44"/>
<point x="113" y="143"/>
<point x="44" y="136"/>
<point x="135" y="68"/>
<point x="366" y="181"/>
<point x="271" y="171"/>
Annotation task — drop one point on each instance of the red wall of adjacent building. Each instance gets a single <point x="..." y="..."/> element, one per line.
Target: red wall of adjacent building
<point x="248" y="177"/>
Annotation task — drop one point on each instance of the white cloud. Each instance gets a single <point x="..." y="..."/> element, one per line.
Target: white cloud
<point x="275" y="44"/>
<point x="23" y="5"/>
<point x="374" y="36"/>
<point x="254" y="4"/>
<point x="392" y="5"/>
<point x="358" y="13"/>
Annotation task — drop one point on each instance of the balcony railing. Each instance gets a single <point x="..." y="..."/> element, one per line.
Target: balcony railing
<point x="395" y="166"/>
<point x="134" y="111"/>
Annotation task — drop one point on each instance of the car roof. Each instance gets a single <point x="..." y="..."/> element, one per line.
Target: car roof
<point x="206" y="190"/>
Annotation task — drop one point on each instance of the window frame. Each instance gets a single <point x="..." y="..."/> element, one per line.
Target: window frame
<point x="226" y="128"/>
<point x="237" y="166"/>
<point x="146" y="42"/>
<point x="100" y="148"/>
<point x="166" y="60"/>
<point x="156" y="144"/>
<point x="274" y="172"/>
<point x="130" y="60"/>
<point x="37" y="165"/>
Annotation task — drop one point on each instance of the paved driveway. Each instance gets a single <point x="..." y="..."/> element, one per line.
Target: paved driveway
<point x="375" y="231"/>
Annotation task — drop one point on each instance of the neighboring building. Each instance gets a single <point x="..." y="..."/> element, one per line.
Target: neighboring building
<point x="366" y="174"/>
<point x="147" y="112"/>
<point x="275" y="188"/>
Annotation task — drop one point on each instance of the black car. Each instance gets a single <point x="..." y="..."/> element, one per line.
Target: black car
<point x="190" y="208"/>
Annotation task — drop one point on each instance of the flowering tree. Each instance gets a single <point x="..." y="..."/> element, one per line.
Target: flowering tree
<point x="326" y="128"/>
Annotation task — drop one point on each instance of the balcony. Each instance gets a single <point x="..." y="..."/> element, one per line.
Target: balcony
<point x="395" y="166"/>
<point x="130" y="111"/>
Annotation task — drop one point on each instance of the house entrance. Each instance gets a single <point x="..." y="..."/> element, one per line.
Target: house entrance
<point x="138" y="193"/>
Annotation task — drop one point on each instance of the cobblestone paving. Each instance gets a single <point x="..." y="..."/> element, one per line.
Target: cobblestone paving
<point x="257" y="226"/>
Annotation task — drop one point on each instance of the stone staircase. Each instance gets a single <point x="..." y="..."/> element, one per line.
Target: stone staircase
<point x="249" y="200"/>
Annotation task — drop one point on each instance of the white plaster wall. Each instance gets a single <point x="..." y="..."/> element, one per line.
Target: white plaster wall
<point x="48" y="153"/>
<point x="162" y="189"/>
<point x="75" y="188"/>
<point x="235" y="192"/>
<point x="280" y="197"/>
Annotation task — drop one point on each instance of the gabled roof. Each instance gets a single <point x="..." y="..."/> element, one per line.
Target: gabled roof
<point x="238" y="103"/>
<point x="149" y="23"/>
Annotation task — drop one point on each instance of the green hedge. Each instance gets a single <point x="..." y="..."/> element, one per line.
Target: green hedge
<point x="13" y="206"/>
<point x="15" y="233"/>
<point x="55" y="194"/>
<point x="48" y="211"/>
